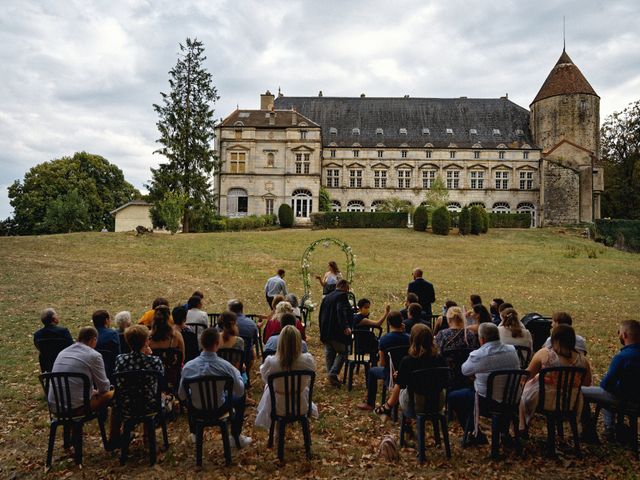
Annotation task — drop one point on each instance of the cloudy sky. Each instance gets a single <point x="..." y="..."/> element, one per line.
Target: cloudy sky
<point x="83" y="75"/>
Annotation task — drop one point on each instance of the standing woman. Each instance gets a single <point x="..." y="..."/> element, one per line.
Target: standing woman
<point x="330" y="278"/>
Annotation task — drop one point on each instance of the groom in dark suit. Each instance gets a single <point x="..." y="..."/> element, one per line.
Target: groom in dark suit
<point x="424" y="290"/>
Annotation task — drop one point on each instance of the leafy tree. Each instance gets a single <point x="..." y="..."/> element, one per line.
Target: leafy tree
<point x="395" y="204"/>
<point x="420" y="219"/>
<point x="464" y="222"/>
<point x="475" y="220"/>
<point x="186" y="125"/>
<point x="99" y="184"/>
<point x="620" y="139"/>
<point x="67" y="213"/>
<point x="441" y="221"/>
<point x="324" y="200"/>
<point x="169" y="211"/>
<point x="285" y="216"/>
<point x="485" y="220"/>
<point x="437" y="195"/>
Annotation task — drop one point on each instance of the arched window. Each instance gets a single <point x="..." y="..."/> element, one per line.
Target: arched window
<point x="237" y="202"/>
<point x="376" y="204"/>
<point x="355" y="206"/>
<point x="336" y="206"/>
<point x="501" y="207"/>
<point x="477" y="204"/>
<point x="529" y="208"/>
<point x="302" y="203"/>
<point x="454" y="207"/>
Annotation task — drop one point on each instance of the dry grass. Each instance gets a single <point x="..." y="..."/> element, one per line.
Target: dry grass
<point x="536" y="270"/>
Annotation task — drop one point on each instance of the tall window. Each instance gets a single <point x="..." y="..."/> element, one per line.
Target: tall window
<point x="501" y="155"/>
<point x="404" y="178"/>
<point x="333" y="154"/>
<point x="428" y="153"/>
<point x="302" y="203"/>
<point x="237" y="202"/>
<point x="428" y="176"/>
<point x="380" y="153"/>
<point x="355" y="178"/>
<point x="333" y="177"/>
<point x="237" y="162"/>
<point x="268" y="204"/>
<point x="452" y="154"/>
<point x="271" y="159"/>
<point x="303" y="134"/>
<point x="530" y="209"/>
<point x="453" y="179"/>
<point x="355" y="206"/>
<point x="526" y="180"/>
<point x="502" y="180"/>
<point x="303" y="162"/>
<point x="476" y="178"/>
<point x="403" y="153"/>
<point x="380" y="178"/>
<point x="356" y="153"/>
<point x="476" y="154"/>
<point x="525" y="155"/>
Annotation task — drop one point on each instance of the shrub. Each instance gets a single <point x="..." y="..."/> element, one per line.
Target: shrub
<point x="285" y="216"/>
<point x="420" y="219"/>
<point x="509" y="220"/>
<point x="464" y="223"/>
<point x="441" y="221"/>
<point x="623" y="234"/>
<point x="252" y="222"/>
<point x="359" y="220"/>
<point x="475" y="221"/>
<point x="485" y="220"/>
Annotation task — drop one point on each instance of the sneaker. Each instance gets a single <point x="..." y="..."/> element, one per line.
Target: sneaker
<point x="243" y="440"/>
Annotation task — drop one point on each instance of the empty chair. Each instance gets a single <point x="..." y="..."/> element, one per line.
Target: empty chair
<point x="49" y="348"/>
<point x="363" y="351"/>
<point x="61" y="411"/>
<point x="286" y="390"/>
<point x="133" y="407"/>
<point x="209" y="405"/>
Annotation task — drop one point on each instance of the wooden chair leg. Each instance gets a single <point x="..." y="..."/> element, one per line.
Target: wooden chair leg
<point x="307" y="437"/>
<point x="445" y="435"/>
<point x="52" y="440"/>
<point x="281" y="431"/>
<point x="225" y="443"/>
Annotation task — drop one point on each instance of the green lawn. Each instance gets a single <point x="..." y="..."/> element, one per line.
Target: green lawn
<point x="536" y="270"/>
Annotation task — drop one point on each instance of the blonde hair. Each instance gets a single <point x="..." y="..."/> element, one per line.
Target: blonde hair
<point x="282" y="308"/>
<point x="289" y="346"/>
<point x="455" y="314"/>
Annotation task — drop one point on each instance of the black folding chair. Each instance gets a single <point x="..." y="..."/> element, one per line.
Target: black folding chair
<point x="213" y="319"/>
<point x="564" y="405"/>
<point x="49" y="349"/>
<point x="109" y="360"/>
<point x="191" y="345"/>
<point x="197" y="328"/>
<point x="259" y="345"/>
<point x="287" y="388"/>
<point x="62" y="413"/>
<point x="427" y="399"/>
<point x="455" y="358"/>
<point x="209" y="405"/>
<point x="234" y="356"/>
<point x="363" y="350"/>
<point x="135" y="404"/>
<point x="524" y="355"/>
<point x="172" y="361"/>
<point x="267" y="353"/>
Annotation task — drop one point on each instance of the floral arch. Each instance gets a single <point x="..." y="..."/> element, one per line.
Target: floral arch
<point x="325" y="242"/>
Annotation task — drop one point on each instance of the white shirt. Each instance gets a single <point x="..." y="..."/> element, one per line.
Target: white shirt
<point x="506" y="337"/>
<point x="581" y="345"/>
<point x="195" y="315"/>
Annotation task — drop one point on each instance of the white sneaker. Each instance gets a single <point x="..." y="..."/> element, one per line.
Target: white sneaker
<point x="244" y="441"/>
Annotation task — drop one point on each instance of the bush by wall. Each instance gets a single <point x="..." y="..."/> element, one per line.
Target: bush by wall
<point x="464" y="223"/>
<point x="622" y="234"/>
<point x="420" y="219"/>
<point x="359" y="220"/>
<point x="285" y="216"/>
<point x="509" y="220"/>
<point x="475" y="220"/>
<point x="252" y="222"/>
<point x="441" y="221"/>
<point x="485" y="220"/>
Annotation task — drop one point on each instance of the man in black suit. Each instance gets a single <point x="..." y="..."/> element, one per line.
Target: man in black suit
<point x="424" y="290"/>
<point x="335" y="332"/>
<point x="50" y="320"/>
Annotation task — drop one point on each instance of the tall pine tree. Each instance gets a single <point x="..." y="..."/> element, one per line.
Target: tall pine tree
<point x="186" y="125"/>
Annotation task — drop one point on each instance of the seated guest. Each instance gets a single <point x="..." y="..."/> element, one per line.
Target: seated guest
<point x="456" y="336"/>
<point x="563" y="318"/>
<point x="51" y="329"/>
<point x="108" y="338"/>
<point x="162" y="333"/>
<point x="395" y="338"/>
<point x="562" y="353"/>
<point x="411" y="298"/>
<point x="272" y="343"/>
<point x="230" y="336"/>
<point x="361" y="320"/>
<point x="123" y="321"/>
<point x="195" y="314"/>
<point x="495" y="313"/>
<point x="208" y="363"/>
<point x="621" y="380"/>
<point x="273" y="325"/>
<point x="189" y="337"/>
<point x="511" y="330"/>
<point x="179" y="315"/>
<point x="247" y="329"/>
<point x="475" y="299"/>
<point x="478" y="315"/>
<point x="288" y="357"/>
<point x="147" y="317"/>
<point x="441" y="321"/>
<point x="293" y="300"/>
<point x="503" y="306"/>
<point x="423" y="354"/>
<point x="491" y="356"/>
<point x="414" y="316"/>
<point x="197" y="293"/>
<point x="81" y="357"/>
<point x="271" y="315"/>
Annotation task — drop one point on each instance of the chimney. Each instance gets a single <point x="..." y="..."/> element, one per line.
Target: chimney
<point x="266" y="101"/>
<point x="294" y="118"/>
<point x="362" y="95"/>
<point x="320" y="93"/>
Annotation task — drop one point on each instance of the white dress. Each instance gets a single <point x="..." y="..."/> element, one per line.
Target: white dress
<point x="272" y="365"/>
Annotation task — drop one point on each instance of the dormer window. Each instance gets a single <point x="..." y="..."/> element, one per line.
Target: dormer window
<point x="426" y="131"/>
<point x="473" y="131"/>
<point x="449" y="131"/>
<point x="355" y="131"/>
<point x="303" y="134"/>
<point x="333" y="131"/>
<point x="496" y="131"/>
<point x="379" y="131"/>
<point x="519" y="132"/>
<point x="403" y="131"/>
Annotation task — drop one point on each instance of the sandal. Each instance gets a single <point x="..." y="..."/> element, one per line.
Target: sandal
<point x="383" y="409"/>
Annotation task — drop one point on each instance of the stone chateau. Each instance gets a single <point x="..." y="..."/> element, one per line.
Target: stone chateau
<point x="488" y="152"/>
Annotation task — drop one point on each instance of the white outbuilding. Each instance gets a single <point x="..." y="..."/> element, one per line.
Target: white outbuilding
<point x="133" y="214"/>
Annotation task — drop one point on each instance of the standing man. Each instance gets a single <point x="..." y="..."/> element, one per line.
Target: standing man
<point x="335" y="333"/>
<point x="275" y="286"/>
<point x="424" y="290"/>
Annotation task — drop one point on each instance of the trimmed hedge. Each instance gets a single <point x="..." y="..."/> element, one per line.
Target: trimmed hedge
<point x="509" y="220"/>
<point x="441" y="221"/>
<point x="285" y="216"/>
<point x="420" y="219"/>
<point x="464" y="223"/>
<point x="476" y="220"/>
<point x="359" y="220"/>
<point x="251" y="222"/>
<point x="485" y="220"/>
<point x="622" y="234"/>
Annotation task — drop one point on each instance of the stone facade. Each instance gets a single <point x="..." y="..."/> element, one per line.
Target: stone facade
<point x="562" y="194"/>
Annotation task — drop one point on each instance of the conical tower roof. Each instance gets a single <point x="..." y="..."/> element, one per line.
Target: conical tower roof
<point x="564" y="79"/>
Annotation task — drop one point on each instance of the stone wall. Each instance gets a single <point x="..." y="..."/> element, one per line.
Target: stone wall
<point x="561" y="194"/>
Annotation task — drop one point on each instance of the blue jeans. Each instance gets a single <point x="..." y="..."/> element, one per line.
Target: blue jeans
<point x="375" y="374"/>
<point x="600" y="396"/>
<point x="462" y="402"/>
<point x="335" y="354"/>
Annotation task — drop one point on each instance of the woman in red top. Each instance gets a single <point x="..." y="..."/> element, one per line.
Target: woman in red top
<point x="273" y="326"/>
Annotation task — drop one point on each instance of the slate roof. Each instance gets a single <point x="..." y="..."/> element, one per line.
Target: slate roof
<point x="564" y="79"/>
<point x="341" y="115"/>
<point x="260" y="119"/>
